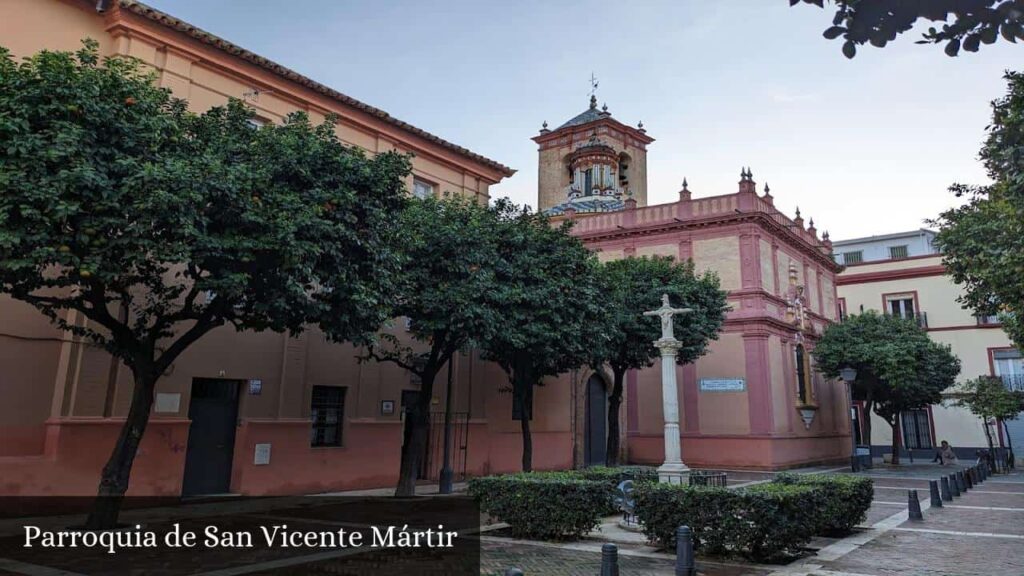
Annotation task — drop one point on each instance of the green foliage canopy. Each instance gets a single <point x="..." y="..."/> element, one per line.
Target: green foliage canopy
<point x="157" y="225"/>
<point x="632" y="286"/>
<point x="898" y="367"/>
<point x="122" y="205"/>
<point x="988" y="398"/>
<point x="983" y="241"/>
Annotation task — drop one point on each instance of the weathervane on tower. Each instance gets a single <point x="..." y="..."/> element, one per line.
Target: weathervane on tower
<point x="593" y="85"/>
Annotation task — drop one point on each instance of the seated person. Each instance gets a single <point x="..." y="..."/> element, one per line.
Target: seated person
<point x="945" y="454"/>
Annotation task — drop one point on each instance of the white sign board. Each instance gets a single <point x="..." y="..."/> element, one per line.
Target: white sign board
<point x="723" y="385"/>
<point x="262" y="456"/>
<point x="167" y="403"/>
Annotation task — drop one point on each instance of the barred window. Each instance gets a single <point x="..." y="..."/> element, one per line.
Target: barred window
<point x="853" y="257"/>
<point x="327" y="412"/>
<point x="898" y="252"/>
<point x="917" y="433"/>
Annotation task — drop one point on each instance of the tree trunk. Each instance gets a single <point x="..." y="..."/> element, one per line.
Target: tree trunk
<point x="614" y="402"/>
<point x="991" y="446"/>
<point x="524" y="424"/>
<point x="895" y="423"/>
<point x="117" y="471"/>
<point x="1011" y="459"/>
<point x="415" y="441"/>
<point x="865" y="426"/>
<point x="523" y="380"/>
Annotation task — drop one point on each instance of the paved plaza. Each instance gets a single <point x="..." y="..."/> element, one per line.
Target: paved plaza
<point x="979" y="533"/>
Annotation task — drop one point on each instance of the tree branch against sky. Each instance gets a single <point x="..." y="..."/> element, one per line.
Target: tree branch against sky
<point x="139" y="227"/>
<point x="965" y="24"/>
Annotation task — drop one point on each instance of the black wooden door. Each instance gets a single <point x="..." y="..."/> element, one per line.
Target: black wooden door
<point x="597" y="419"/>
<point x="211" y="437"/>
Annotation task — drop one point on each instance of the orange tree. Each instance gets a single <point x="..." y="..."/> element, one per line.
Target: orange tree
<point x="139" y="227"/>
<point x="898" y="367"/>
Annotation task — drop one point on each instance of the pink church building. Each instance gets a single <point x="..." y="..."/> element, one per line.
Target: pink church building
<point x="754" y="400"/>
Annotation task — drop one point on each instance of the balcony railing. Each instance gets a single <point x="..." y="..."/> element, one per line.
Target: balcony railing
<point x="1014" y="381"/>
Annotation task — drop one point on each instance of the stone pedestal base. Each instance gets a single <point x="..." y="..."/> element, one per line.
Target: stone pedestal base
<point x="677" y="473"/>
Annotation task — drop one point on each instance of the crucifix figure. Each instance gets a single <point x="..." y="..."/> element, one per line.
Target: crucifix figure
<point x="672" y="471"/>
<point x="666" y="312"/>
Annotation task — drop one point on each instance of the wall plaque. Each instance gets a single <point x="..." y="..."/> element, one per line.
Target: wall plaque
<point x="167" y="403"/>
<point x="261" y="457"/>
<point x="723" y="385"/>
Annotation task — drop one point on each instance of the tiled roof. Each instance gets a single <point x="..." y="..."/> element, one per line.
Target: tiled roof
<point x="585" y="117"/>
<point x="293" y="76"/>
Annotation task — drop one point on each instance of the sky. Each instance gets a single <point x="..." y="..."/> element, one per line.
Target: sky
<point x="864" y="146"/>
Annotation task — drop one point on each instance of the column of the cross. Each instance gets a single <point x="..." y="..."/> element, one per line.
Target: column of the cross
<point x="673" y="470"/>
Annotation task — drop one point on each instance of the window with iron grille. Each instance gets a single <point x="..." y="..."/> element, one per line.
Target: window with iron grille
<point x="853" y="257"/>
<point x="897" y="252"/>
<point x="917" y="433"/>
<point x="327" y="412"/>
<point x="423" y="189"/>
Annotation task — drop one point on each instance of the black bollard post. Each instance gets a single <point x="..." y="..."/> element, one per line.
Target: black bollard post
<point x="914" y="506"/>
<point x="933" y="491"/>
<point x="947" y="495"/>
<point x="968" y="479"/>
<point x="981" y="472"/>
<point x="609" y="560"/>
<point x="685" y="565"/>
<point x="960" y="482"/>
<point x="513" y="572"/>
<point x="953" y="486"/>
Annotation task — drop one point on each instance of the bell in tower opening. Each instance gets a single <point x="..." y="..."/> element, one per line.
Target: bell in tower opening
<point x="592" y="163"/>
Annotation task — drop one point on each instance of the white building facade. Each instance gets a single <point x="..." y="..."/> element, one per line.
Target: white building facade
<point x="902" y="274"/>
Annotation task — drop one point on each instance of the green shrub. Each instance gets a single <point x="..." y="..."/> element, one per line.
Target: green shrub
<point x="543" y="505"/>
<point x="710" y="512"/>
<point x="847" y="499"/>
<point x="761" y="522"/>
<point x="779" y="519"/>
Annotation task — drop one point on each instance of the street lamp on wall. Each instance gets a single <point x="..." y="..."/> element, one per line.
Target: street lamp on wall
<point x="849" y="374"/>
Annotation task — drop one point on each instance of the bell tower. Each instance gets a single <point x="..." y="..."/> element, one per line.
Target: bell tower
<point x="592" y="163"/>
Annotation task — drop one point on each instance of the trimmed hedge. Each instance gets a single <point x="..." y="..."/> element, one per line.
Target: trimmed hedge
<point x="847" y="499"/>
<point x="762" y="522"/>
<point x="543" y="505"/>
<point x="613" y="476"/>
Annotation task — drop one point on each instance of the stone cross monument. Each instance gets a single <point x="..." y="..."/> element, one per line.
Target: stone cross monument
<point x="673" y="470"/>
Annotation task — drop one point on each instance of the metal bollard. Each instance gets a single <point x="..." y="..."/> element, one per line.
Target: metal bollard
<point x="953" y="486"/>
<point x="933" y="491"/>
<point x="609" y="560"/>
<point x="968" y="479"/>
<point x="960" y="482"/>
<point x="685" y="564"/>
<point x="914" y="506"/>
<point x="947" y="495"/>
<point x="513" y="572"/>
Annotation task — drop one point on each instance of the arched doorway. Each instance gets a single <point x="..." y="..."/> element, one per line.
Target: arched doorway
<point x="596" y="432"/>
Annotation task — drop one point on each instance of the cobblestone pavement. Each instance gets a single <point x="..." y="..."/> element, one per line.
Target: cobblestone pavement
<point x="980" y="533"/>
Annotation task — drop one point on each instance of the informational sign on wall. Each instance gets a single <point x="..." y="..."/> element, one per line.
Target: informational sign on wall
<point x="167" y="403"/>
<point x="723" y="385"/>
<point x="262" y="455"/>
